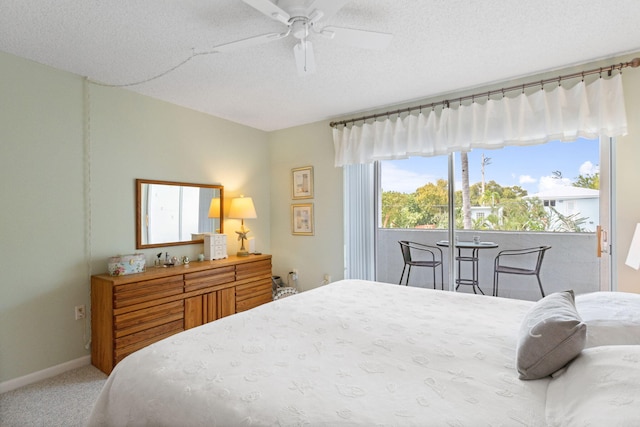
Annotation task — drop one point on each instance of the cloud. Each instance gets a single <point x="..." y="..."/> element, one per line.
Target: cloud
<point x="549" y="182"/>
<point x="404" y="181"/>
<point x="526" y="179"/>
<point x="588" y="168"/>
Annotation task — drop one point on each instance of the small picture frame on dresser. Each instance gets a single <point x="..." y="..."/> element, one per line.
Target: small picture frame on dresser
<point x="302" y="183"/>
<point x="302" y="219"/>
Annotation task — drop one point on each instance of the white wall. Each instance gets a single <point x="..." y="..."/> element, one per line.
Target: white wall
<point x="45" y="220"/>
<point x="627" y="177"/>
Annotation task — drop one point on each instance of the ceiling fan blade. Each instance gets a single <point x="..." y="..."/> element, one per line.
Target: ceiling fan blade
<point x="248" y="42"/>
<point x="269" y="9"/>
<point x="305" y="59"/>
<point x="358" y="38"/>
<point x="324" y="9"/>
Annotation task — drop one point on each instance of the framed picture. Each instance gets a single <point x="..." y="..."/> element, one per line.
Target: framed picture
<point x="302" y="219"/>
<point x="302" y="183"/>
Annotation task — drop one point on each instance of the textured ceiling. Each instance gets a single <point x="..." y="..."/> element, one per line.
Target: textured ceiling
<point x="438" y="46"/>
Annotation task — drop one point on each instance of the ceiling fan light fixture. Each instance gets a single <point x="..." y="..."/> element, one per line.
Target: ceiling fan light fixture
<point x="299" y="28"/>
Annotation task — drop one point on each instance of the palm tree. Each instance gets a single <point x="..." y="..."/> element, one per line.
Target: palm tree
<point x="484" y="162"/>
<point x="466" y="202"/>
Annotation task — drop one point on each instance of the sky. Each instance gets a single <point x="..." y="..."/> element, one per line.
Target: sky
<point x="529" y="167"/>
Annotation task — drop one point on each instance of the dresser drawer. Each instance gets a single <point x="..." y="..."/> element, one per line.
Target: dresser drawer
<point x="254" y="269"/>
<point x="253" y="294"/>
<point x="208" y="278"/>
<point x="130" y="343"/>
<point x="148" y="318"/>
<point x="148" y="290"/>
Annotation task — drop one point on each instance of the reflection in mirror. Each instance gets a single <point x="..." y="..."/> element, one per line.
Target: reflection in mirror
<point x="175" y="213"/>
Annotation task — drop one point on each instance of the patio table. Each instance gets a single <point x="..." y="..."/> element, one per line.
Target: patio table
<point x="472" y="257"/>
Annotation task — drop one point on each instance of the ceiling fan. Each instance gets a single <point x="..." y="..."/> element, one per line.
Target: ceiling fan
<point x="303" y="18"/>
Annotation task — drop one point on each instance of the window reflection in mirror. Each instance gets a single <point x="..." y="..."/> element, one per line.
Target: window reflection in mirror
<point x="174" y="213"/>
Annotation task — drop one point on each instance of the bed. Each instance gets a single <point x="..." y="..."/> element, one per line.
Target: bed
<point x="365" y="353"/>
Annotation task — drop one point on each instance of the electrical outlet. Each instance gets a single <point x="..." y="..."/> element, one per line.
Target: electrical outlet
<point x="80" y="312"/>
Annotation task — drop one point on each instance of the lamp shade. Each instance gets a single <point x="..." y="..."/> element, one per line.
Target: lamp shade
<point x="633" y="257"/>
<point x="214" y="208"/>
<point x="242" y="208"/>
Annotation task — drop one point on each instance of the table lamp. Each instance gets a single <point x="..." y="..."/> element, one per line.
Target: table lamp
<point x="242" y="208"/>
<point x="214" y="211"/>
<point x="214" y="208"/>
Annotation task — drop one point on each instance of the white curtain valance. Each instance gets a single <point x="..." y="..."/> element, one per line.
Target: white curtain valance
<point x="584" y="110"/>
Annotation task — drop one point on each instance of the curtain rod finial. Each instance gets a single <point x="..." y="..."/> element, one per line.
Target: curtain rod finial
<point x="635" y="62"/>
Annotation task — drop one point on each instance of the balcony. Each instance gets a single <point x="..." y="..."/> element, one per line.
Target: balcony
<point x="571" y="263"/>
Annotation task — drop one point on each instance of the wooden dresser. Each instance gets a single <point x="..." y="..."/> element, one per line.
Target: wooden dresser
<point x="130" y="312"/>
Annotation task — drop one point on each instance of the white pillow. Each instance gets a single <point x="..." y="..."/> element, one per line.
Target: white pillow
<point x="601" y="387"/>
<point x="612" y="318"/>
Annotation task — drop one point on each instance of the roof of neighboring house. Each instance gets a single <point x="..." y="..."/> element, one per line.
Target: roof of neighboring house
<point x="566" y="192"/>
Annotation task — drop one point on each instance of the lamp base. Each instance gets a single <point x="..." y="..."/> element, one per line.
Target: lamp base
<point x="242" y="253"/>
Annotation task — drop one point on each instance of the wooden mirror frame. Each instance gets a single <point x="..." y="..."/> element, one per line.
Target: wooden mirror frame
<point x="139" y="195"/>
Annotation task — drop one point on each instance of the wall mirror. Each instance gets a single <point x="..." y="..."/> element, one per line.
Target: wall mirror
<point x="176" y="213"/>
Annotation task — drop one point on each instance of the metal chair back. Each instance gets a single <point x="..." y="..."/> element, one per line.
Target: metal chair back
<point x="512" y="254"/>
<point x="431" y="258"/>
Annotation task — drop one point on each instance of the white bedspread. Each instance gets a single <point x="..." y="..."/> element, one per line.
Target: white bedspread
<point x="349" y="353"/>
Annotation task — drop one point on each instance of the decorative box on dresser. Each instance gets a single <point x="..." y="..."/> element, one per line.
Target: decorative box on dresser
<point x="130" y="312"/>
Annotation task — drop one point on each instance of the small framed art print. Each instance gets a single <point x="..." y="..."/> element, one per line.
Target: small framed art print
<point x="302" y="219"/>
<point x="302" y="183"/>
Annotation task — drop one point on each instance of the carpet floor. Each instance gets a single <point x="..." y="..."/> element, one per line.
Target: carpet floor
<point x="60" y="401"/>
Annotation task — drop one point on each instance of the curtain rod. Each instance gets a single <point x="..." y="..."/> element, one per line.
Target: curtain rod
<point x="634" y="63"/>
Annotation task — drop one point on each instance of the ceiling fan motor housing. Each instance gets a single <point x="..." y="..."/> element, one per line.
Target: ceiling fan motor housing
<point x="300" y="27"/>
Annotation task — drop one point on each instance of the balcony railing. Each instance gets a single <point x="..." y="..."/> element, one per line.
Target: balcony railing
<point x="571" y="263"/>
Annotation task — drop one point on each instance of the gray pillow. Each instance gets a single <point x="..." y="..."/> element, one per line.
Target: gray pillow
<point x="551" y="335"/>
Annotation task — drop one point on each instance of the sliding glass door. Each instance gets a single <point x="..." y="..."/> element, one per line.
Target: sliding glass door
<point x="515" y="197"/>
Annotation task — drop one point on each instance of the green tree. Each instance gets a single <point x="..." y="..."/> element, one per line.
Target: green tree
<point x="428" y="206"/>
<point x="525" y="215"/>
<point x="515" y="192"/>
<point x="567" y="223"/>
<point x="588" y="181"/>
<point x="432" y="199"/>
<point x="395" y="211"/>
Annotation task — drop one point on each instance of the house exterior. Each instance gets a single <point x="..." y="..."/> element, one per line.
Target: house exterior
<point x="574" y="202"/>
<point x="480" y="213"/>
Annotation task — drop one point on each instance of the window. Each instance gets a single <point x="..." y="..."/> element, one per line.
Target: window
<point x="514" y="188"/>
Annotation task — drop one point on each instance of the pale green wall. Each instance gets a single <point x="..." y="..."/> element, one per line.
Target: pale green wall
<point x="44" y="272"/>
<point x="44" y="215"/>
<point x="320" y="254"/>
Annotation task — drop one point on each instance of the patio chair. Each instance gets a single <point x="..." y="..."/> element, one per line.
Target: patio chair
<point x="421" y="255"/>
<point x="519" y="257"/>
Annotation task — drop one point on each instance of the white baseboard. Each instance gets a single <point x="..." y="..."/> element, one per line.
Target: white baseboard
<point x="44" y="374"/>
